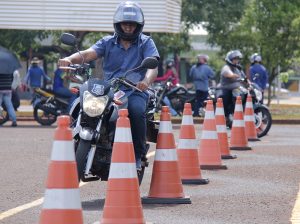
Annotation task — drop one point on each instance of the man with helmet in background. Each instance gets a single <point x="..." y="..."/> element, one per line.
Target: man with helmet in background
<point x="258" y="73"/>
<point x="121" y="52"/>
<point x="201" y="73"/>
<point x="231" y="74"/>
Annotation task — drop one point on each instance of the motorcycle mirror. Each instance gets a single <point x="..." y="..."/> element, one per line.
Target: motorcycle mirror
<point x="149" y="63"/>
<point x="68" y="39"/>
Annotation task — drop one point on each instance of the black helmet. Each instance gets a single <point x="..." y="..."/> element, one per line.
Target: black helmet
<point x="231" y="55"/>
<point x="128" y="12"/>
<point x="255" y="58"/>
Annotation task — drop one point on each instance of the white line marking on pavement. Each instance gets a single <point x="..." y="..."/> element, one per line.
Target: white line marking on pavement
<point x="295" y="219"/>
<point x="39" y="201"/>
<point x="24" y="207"/>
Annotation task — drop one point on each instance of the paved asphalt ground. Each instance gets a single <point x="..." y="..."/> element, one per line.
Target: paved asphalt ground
<point x="260" y="186"/>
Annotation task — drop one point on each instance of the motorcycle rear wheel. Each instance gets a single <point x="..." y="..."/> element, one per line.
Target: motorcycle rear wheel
<point x="4" y="117"/>
<point x="42" y="117"/>
<point x="81" y="157"/>
<point x="263" y="121"/>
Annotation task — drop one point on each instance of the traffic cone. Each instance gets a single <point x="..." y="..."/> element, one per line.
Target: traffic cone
<point x="249" y="121"/>
<point x="166" y="186"/>
<point x="123" y="203"/>
<point x="187" y="150"/>
<point x="238" y="139"/>
<point x="222" y="131"/>
<point x="209" y="151"/>
<point x="62" y="203"/>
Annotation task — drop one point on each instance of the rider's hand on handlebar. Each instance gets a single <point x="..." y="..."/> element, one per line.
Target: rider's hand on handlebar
<point x="142" y="85"/>
<point x="64" y="62"/>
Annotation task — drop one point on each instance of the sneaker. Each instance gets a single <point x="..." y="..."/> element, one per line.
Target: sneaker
<point x="14" y="124"/>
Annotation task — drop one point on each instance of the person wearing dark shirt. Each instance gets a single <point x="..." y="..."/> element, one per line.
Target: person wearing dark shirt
<point x="59" y="86"/>
<point x="258" y="73"/>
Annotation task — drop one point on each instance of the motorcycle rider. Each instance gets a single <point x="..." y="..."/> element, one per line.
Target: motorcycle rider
<point x="258" y="73"/>
<point x="231" y="73"/>
<point x="170" y="73"/>
<point x="123" y="51"/>
<point x="59" y="86"/>
<point x="201" y="73"/>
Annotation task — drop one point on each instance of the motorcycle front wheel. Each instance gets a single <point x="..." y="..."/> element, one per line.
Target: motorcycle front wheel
<point x="43" y="117"/>
<point x="263" y="121"/>
<point x="81" y="157"/>
<point x="4" y="117"/>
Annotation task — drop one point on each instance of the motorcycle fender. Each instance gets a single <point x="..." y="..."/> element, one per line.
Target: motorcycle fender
<point x="86" y="134"/>
<point x="257" y="105"/>
<point x="75" y="108"/>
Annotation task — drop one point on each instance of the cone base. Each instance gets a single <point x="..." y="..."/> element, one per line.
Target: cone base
<point x="149" y="200"/>
<point x="195" y="181"/>
<point x="228" y="156"/>
<point x="213" y="167"/>
<point x="253" y="139"/>
<point x="241" y="148"/>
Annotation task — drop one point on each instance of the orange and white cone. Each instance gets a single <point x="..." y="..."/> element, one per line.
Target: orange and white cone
<point x="166" y="186"/>
<point x="222" y="131"/>
<point x="209" y="150"/>
<point x="250" y="121"/>
<point x="123" y="203"/>
<point x="187" y="150"/>
<point x="62" y="204"/>
<point x="238" y="139"/>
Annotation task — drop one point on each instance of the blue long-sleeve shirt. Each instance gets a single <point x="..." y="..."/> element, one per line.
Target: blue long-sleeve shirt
<point x="200" y="75"/>
<point x="261" y="79"/>
<point x="35" y="76"/>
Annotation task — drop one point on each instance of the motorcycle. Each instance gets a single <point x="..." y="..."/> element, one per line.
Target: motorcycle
<point x="47" y="105"/>
<point x="178" y="95"/>
<point x="262" y="115"/>
<point x="95" y="113"/>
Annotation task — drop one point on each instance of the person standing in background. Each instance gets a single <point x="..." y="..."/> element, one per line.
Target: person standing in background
<point x="201" y="73"/>
<point x="35" y="76"/>
<point x="5" y="96"/>
<point x="258" y="73"/>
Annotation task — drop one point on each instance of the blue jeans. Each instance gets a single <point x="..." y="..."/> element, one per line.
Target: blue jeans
<point x="137" y="105"/>
<point x="201" y="96"/>
<point x="168" y="103"/>
<point x="65" y="92"/>
<point x="6" y="98"/>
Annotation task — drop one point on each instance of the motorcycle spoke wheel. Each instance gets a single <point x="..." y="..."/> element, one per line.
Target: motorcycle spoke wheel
<point x="3" y="117"/>
<point x="43" y="117"/>
<point x="263" y="121"/>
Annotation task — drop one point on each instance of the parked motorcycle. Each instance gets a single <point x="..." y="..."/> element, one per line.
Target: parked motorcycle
<point x="178" y="95"/>
<point x="262" y="115"/>
<point x="47" y="105"/>
<point x="95" y="113"/>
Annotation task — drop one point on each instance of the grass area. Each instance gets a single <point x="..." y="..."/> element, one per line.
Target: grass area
<point x="284" y="111"/>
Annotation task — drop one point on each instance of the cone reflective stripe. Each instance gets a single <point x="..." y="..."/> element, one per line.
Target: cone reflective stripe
<point x="238" y="139"/>
<point x="123" y="204"/>
<point x="209" y="150"/>
<point x="250" y="121"/>
<point x="62" y="204"/>
<point x="187" y="150"/>
<point x="166" y="186"/>
<point x="222" y="131"/>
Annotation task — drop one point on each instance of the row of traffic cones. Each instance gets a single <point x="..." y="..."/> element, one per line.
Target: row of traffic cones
<point x="171" y="167"/>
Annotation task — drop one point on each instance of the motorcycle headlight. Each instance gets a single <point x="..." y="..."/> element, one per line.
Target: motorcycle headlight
<point x="258" y="94"/>
<point x="94" y="106"/>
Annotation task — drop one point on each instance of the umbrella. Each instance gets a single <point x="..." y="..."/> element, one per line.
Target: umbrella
<point x="8" y="61"/>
